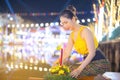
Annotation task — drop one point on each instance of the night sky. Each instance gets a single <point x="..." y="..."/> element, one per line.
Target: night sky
<point x="45" y="6"/>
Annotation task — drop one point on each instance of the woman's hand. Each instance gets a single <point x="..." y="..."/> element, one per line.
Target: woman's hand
<point x="56" y="62"/>
<point x="76" y="72"/>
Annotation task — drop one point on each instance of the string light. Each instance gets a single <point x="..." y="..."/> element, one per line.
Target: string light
<point x="42" y="24"/>
<point x="83" y="20"/>
<point x="45" y="14"/>
<point x="30" y="68"/>
<point x="35" y="67"/>
<point x="40" y="68"/>
<point x="45" y="69"/>
<point x="47" y="24"/>
<point x="88" y="20"/>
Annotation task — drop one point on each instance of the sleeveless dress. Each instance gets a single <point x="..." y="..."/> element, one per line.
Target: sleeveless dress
<point x="99" y="63"/>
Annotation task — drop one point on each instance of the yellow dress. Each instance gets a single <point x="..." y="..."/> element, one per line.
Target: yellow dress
<point x="80" y="44"/>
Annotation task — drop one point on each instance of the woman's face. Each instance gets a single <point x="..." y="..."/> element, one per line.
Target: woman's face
<point x="65" y="23"/>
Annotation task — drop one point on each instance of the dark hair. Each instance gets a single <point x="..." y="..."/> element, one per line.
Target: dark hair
<point x="67" y="14"/>
<point x="71" y="8"/>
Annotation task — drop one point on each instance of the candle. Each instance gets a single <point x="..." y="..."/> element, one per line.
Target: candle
<point x="61" y="56"/>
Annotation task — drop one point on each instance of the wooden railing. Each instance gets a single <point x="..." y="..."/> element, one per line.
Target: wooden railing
<point x="111" y="50"/>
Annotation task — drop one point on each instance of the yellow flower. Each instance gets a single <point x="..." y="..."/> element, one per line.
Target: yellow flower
<point x="66" y="68"/>
<point x="57" y="68"/>
<point x="59" y="47"/>
<point x="52" y="70"/>
<point x="61" y="72"/>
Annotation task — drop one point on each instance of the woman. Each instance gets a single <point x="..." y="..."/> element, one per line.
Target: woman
<point x="85" y="43"/>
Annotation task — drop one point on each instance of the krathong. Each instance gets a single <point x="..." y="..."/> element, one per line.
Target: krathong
<point x="59" y="72"/>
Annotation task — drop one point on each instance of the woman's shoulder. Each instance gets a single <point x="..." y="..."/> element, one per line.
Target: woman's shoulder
<point x="83" y="27"/>
<point x="85" y="30"/>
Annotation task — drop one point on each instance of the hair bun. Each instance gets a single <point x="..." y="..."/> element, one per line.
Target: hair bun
<point x="72" y="9"/>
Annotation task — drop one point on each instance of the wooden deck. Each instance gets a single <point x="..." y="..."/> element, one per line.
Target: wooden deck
<point x="105" y="76"/>
<point x="87" y="78"/>
<point x="84" y="78"/>
<point x="35" y="78"/>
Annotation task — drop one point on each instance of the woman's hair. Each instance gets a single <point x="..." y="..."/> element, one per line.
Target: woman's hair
<point x="68" y="14"/>
<point x="71" y="8"/>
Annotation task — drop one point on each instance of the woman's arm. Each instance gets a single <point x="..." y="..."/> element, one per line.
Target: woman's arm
<point x="87" y="35"/>
<point x="66" y="51"/>
<point x="89" y="38"/>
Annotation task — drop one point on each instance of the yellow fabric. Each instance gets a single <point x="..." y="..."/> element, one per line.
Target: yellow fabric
<point x="80" y="44"/>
